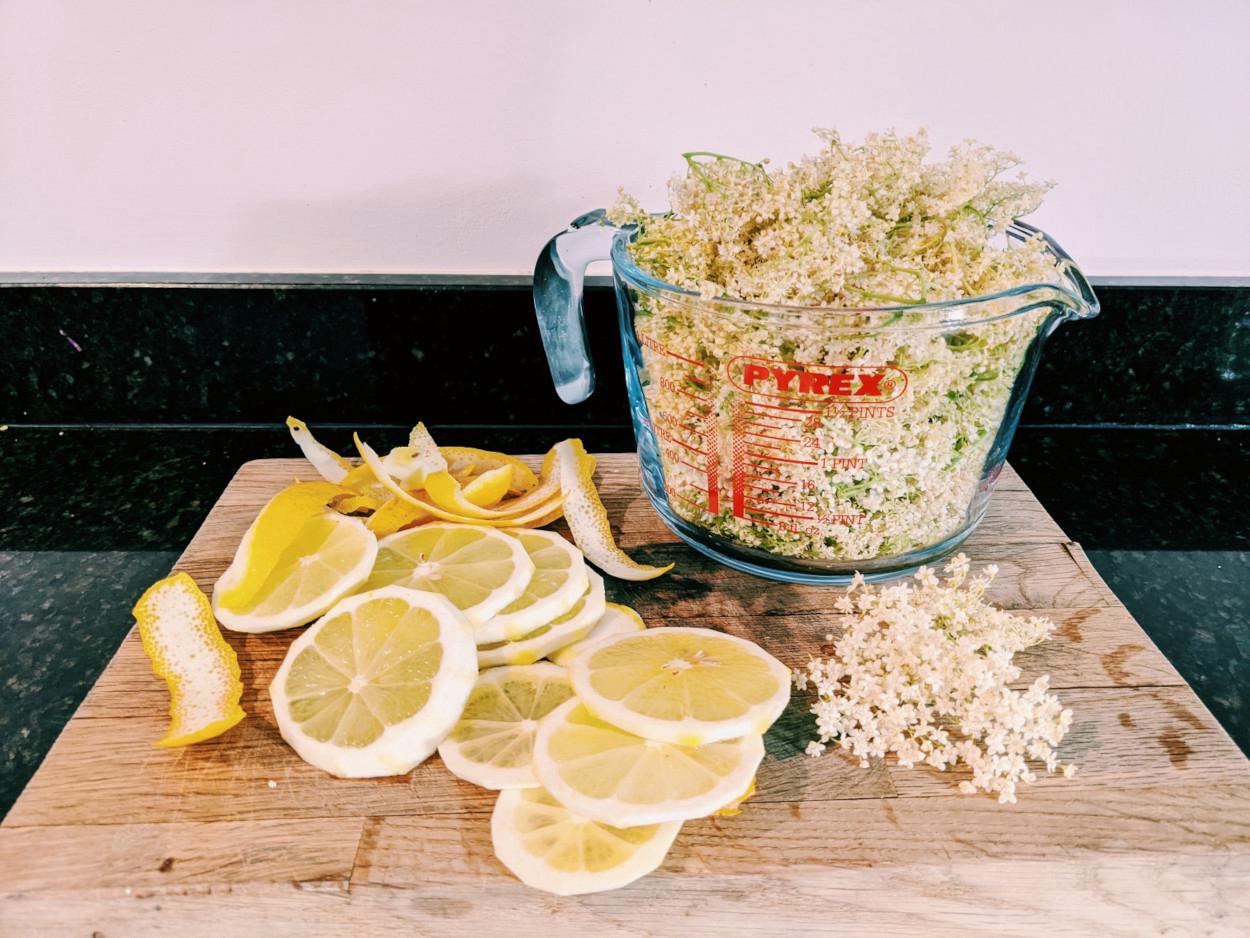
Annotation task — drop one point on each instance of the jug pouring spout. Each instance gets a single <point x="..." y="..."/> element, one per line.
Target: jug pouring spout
<point x="1074" y="298"/>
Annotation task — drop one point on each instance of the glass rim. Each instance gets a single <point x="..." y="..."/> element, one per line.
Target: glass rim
<point x="1078" y="301"/>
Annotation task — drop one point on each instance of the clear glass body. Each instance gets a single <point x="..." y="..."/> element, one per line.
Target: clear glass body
<point x="806" y="444"/>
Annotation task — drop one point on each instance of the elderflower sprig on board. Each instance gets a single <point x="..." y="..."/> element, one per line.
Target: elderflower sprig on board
<point x="923" y="672"/>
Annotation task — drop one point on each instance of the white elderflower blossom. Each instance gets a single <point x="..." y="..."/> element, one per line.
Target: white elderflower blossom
<point x="923" y="672"/>
<point x="850" y="227"/>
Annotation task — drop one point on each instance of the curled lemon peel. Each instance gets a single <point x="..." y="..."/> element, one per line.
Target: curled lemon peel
<point x="588" y="519"/>
<point x="187" y="651"/>
<point x="329" y="465"/>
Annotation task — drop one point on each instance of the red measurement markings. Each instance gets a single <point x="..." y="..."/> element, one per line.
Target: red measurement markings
<point x="776" y="504"/>
<point x="738" y="462"/>
<point x="711" y="439"/>
<point x="788" y="410"/>
<point x="765" y="436"/>
<point x="682" y="462"/>
<point x="693" y="397"/>
<point x="765" y="488"/>
<point x="797" y="462"/>
<point x="782" y="418"/>
<point x="781" y="514"/>
<point x="687" y="446"/>
<point x="771" y="479"/>
<point x="766" y="426"/>
<point x="690" y="501"/>
<point x="657" y="347"/>
<point x="768" y="446"/>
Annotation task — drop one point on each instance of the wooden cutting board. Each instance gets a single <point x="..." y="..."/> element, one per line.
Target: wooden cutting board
<point x="237" y="836"/>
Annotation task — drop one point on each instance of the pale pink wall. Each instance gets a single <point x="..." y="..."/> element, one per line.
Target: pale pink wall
<point x="339" y="135"/>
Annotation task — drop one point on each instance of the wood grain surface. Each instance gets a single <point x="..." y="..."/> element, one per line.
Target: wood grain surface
<point x="237" y="836"/>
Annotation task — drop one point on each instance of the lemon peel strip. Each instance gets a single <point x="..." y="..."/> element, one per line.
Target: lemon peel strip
<point x="187" y="650"/>
<point x="588" y="519"/>
<point x="329" y="465"/>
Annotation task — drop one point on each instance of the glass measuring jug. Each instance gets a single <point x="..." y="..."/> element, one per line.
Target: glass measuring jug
<point x="805" y="444"/>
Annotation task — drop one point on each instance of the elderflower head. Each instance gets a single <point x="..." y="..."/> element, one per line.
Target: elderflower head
<point x="923" y="672"/>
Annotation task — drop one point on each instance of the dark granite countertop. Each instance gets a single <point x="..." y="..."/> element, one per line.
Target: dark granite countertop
<point x="94" y="515"/>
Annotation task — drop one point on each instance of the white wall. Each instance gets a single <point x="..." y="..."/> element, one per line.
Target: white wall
<point x="454" y="137"/>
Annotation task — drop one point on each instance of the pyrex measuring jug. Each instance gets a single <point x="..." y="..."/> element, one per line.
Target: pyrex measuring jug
<point x="805" y="444"/>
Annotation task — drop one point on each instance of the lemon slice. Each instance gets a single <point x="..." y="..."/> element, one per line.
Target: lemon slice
<point x="682" y="685"/>
<point x="329" y="465"/>
<point x="374" y="686"/>
<point x="607" y="774"/>
<point x="559" y="580"/>
<point x="548" y="847"/>
<point x="479" y="570"/>
<point x="616" y="620"/>
<point x="492" y="744"/>
<point x="186" y="649"/>
<point x="588" y="519"/>
<point x="568" y="628"/>
<point x="291" y="566"/>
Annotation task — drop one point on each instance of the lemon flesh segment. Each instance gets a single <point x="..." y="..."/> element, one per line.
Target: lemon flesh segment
<point x="467" y="459"/>
<point x="489" y="488"/>
<point x="329" y="465"/>
<point x="588" y="519"/>
<point x="269" y="535"/>
<point x="607" y="774"/>
<point x="374" y="686"/>
<point x="616" y="620"/>
<point x="571" y="627"/>
<point x="492" y="745"/>
<point x="186" y="649"/>
<point x="478" y="569"/>
<point x="548" y="847"/>
<point x="560" y="578"/>
<point x="324" y="559"/>
<point x="374" y="462"/>
<point x="687" y="686"/>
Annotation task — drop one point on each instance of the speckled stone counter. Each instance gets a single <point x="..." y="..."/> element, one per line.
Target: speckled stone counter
<point x="93" y="516"/>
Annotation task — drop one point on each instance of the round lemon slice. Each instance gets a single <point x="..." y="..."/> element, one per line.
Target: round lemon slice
<point x="480" y="570"/>
<point x="560" y="578"/>
<point x="307" y="569"/>
<point x="568" y="628"/>
<point x="548" y="847"/>
<point x="493" y="743"/>
<point x="686" y="686"/>
<point x="609" y="775"/>
<point x="373" y="687"/>
<point x="616" y="620"/>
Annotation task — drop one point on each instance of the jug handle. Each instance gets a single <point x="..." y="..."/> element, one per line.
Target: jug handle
<point x="559" y="277"/>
